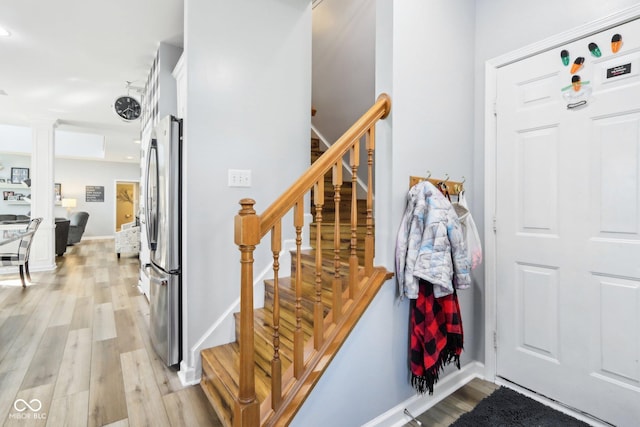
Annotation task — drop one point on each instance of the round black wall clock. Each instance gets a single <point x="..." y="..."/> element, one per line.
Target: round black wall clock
<point x="127" y="108"/>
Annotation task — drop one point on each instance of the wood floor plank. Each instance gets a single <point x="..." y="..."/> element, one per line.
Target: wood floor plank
<point x="127" y="331"/>
<point x="101" y="275"/>
<point x="144" y="401"/>
<point x="104" y="323"/>
<point x="121" y="423"/>
<point x="29" y="298"/>
<point x="75" y="368"/>
<point x="106" y="389"/>
<point x="45" y="364"/>
<point x="10" y="330"/>
<point x="119" y="297"/>
<point x="102" y="293"/>
<point x="190" y="407"/>
<point x="64" y="312"/>
<point x="69" y="410"/>
<point x="83" y="313"/>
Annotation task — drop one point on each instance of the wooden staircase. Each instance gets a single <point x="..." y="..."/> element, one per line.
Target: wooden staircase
<point x="282" y="349"/>
<point x="329" y="214"/>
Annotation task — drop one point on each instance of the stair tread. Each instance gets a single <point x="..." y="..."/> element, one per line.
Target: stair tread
<point x="225" y="361"/>
<point x="263" y="327"/>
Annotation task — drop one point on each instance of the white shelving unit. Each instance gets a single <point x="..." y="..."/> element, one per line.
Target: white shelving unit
<point x="17" y="189"/>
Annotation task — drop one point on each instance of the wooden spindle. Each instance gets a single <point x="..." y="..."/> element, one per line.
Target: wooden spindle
<point x="368" y="240"/>
<point x="298" y="337"/>
<point x="318" y="309"/>
<point x="246" y="230"/>
<point x="353" y="258"/>
<point x="276" y="363"/>
<point x="337" y="279"/>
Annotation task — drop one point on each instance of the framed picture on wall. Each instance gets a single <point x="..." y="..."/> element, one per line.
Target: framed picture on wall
<point x="58" y="191"/>
<point x="19" y="174"/>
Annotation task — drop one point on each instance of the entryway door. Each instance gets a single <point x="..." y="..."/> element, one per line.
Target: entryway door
<point x="568" y="225"/>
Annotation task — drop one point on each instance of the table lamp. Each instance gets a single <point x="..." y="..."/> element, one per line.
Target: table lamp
<point x="68" y="203"/>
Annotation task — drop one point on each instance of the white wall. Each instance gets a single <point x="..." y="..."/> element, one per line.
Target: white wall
<point x="433" y="47"/>
<point x="74" y="175"/>
<point x="248" y="107"/>
<point x="343" y="64"/>
<point x="430" y="128"/>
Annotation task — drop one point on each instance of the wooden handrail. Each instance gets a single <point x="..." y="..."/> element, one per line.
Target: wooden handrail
<point x="250" y="228"/>
<point x="284" y="203"/>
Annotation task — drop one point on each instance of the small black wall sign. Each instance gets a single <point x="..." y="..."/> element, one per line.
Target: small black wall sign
<point x="94" y="193"/>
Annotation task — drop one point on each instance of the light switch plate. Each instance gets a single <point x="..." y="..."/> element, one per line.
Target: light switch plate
<point x="239" y="178"/>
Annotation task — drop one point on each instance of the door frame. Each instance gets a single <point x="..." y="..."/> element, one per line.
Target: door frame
<point x="490" y="164"/>
<point x="115" y="197"/>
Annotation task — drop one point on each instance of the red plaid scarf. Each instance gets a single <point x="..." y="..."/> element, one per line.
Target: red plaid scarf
<point x="436" y="336"/>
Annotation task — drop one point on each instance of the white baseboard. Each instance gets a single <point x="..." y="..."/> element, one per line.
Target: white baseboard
<point x="33" y="268"/>
<point x="395" y="417"/>
<point x="188" y="375"/>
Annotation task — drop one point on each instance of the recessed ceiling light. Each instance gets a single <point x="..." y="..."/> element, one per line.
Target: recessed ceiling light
<point x="136" y="141"/>
<point x="129" y="157"/>
<point x="4" y="32"/>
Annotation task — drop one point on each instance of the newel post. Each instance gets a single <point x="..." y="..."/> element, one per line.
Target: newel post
<point x="247" y="230"/>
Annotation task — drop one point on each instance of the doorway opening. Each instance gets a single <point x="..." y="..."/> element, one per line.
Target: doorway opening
<point x="127" y="203"/>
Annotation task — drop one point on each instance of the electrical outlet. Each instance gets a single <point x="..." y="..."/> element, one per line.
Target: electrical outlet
<point x="239" y="178"/>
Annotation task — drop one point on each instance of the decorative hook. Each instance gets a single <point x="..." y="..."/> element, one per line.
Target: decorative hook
<point x="428" y="174"/>
<point x="446" y="177"/>
<point x="463" y="179"/>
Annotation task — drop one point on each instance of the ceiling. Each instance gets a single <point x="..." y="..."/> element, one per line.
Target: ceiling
<point x="70" y="59"/>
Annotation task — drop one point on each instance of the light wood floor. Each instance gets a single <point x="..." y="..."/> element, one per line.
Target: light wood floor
<point x="76" y="344"/>
<point x="463" y="400"/>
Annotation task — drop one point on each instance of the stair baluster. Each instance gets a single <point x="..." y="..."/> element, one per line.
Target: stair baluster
<point x="276" y="363"/>
<point x="298" y="343"/>
<point x="318" y="308"/>
<point x="353" y="257"/>
<point x="337" y="279"/>
<point x="368" y="240"/>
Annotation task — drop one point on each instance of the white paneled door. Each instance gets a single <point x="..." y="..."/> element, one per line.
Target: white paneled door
<point x="568" y="224"/>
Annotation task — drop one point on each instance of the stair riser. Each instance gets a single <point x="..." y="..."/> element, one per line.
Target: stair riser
<point x="288" y="306"/>
<point x="264" y="339"/>
<point x="218" y="395"/>
<point x="327" y="272"/>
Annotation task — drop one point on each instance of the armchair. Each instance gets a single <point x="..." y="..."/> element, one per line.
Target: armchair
<point x="78" y="222"/>
<point x="128" y="238"/>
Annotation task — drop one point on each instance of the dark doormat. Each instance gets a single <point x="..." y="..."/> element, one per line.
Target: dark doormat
<point x="507" y="408"/>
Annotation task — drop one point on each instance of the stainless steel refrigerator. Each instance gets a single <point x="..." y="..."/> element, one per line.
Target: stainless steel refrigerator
<point x="163" y="227"/>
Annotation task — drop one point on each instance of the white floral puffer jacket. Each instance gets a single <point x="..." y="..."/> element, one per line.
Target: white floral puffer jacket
<point x="430" y="244"/>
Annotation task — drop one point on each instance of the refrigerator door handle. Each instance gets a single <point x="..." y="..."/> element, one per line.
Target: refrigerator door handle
<point x="154" y="279"/>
